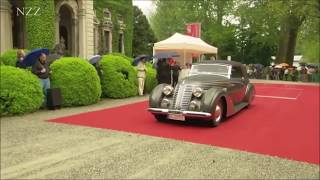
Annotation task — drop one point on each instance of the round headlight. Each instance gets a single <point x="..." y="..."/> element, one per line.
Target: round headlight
<point x="167" y="90"/>
<point x="165" y="103"/>
<point x="197" y="92"/>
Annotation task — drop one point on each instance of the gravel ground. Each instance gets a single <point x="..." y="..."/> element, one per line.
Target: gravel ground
<point x="33" y="148"/>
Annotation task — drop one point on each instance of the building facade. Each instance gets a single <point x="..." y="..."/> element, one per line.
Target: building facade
<point x="75" y="25"/>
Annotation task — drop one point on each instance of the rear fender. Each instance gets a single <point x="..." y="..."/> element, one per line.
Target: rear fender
<point x="250" y="93"/>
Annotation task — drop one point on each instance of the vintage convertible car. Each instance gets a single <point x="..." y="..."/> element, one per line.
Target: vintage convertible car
<point x="213" y="91"/>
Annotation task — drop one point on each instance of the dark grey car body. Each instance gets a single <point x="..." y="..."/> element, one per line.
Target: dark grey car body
<point x="232" y="91"/>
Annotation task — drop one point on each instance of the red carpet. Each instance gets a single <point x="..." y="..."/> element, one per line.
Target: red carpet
<point x="288" y="128"/>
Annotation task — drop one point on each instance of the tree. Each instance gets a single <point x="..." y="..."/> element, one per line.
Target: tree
<point x="143" y="35"/>
<point x="309" y="41"/>
<point x="257" y="31"/>
<point x="168" y="18"/>
<point x="294" y="13"/>
<point x="309" y="38"/>
<point x="172" y="16"/>
<point x="251" y="31"/>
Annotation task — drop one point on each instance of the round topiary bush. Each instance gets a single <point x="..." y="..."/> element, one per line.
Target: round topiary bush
<point x="119" y="79"/>
<point x="122" y="55"/>
<point x="10" y="57"/>
<point x="20" y="91"/>
<point x="78" y="81"/>
<point x="151" y="80"/>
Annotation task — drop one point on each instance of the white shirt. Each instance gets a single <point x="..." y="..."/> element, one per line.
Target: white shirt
<point x="184" y="73"/>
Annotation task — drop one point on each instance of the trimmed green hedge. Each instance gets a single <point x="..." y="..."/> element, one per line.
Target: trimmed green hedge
<point x="151" y="80"/>
<point x="10" y="57"/>
<point x="78" y="81"/>
<point x="40" y="29"/>
<point x="130" y="59"/>
<point x="119" y="78"/>
<point x="20" y="91"/>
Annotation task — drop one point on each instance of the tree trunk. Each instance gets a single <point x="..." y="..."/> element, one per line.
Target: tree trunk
<point x="295" y="23"/>
<point x="220" y="11"/>
<point x="283" y="43"/>
<point x="293" y="33"/>
<point x="288" y="39"/>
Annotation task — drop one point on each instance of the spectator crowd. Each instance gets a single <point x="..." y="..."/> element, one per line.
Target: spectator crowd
<point x="303" y="73"/>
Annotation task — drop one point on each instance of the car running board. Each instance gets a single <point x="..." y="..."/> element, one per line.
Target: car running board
<point x="240" y="106"/>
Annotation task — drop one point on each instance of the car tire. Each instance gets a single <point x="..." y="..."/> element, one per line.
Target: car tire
<point x="217" y="114"/>
<point x="250" y="99"/>
<point x="160" y="117"/>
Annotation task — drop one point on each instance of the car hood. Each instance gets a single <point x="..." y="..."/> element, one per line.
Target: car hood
<point x="211" y="80"/>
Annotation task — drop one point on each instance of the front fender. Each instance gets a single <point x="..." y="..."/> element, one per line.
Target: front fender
<point x="210" y="99"/>
<point x="156" y="96"/>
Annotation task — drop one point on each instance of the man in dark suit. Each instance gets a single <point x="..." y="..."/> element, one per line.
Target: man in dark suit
<point x="42" y="70"/>
<point x="163" y="72"/>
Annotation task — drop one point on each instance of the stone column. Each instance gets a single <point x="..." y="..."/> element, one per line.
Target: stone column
<point x="110" y="41"/>
<point x="82" y="34"/>
<point x="90" y="27"/>
<point x="75" y="37"/>
<point x="5" y="26"/>
<point x="57" y="23"/>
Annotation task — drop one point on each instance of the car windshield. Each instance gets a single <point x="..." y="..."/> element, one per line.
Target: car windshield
<point x="215" y="69"/>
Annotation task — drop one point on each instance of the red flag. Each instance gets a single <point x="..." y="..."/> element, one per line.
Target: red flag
<point x="193" y="29"/>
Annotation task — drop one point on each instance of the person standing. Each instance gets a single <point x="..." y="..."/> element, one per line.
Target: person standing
<point x="20" y="58"/>
<point x="294" y="74"/>
<point x="60" y="47"/>
<point x="303" y="74"/>
<point x="272" y="73"/>
<point x="175" y="68"/>
<point x="275" y="73"/>
<point x="98" y="69"/>
<point x="286" y="74"/>
<point x="185" y="71"/>
<point x="42" y="70"/>
<point x="141" y="67"/>
<point x="163" y="72"/>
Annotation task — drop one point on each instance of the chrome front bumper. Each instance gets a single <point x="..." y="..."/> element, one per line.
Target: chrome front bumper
<point x="191" y="114"/>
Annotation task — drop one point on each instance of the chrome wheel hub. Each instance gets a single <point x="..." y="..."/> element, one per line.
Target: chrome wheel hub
<point x="218" y="113"/>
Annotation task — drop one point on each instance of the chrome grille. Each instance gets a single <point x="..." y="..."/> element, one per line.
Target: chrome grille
<point x="186" y="97"/>
<point x="182" y="97"/>
<point x="183" y="93"/>
<point x="178" y="96"/>
<point x="174" y="98"/>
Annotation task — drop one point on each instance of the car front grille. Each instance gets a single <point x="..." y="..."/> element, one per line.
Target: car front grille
<point x="181" y="97"/>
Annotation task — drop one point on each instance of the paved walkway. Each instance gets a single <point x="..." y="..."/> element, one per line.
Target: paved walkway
<point x="33" y="148"/>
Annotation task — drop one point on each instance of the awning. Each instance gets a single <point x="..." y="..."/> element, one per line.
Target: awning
<point x="186" y="43"/>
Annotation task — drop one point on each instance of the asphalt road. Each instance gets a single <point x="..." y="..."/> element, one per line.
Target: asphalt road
<point x="33" y="148"/>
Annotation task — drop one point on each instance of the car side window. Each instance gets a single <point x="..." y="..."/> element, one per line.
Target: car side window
<point x="236" y="72"/>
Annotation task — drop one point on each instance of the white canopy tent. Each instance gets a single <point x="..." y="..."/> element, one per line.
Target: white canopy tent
<point x="185" y="46"/>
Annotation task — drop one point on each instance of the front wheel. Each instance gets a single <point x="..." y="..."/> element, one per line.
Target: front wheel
<point x="217" y="114"/>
